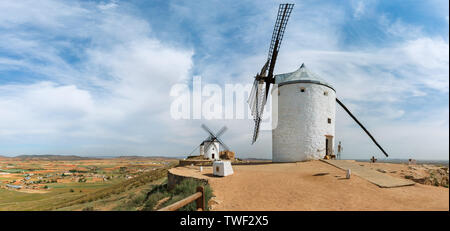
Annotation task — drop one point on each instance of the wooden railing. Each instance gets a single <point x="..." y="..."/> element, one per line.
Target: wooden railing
<point x="198" y="197"/>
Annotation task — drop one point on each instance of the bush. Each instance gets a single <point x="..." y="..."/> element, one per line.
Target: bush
<point x="132" y="202"/>
<point x="71" y="190"/>
<point x="157" y="193"/>
<point x="138" y="200"/>
<point x="182" y="190"/>
<point x="90" y="208"/>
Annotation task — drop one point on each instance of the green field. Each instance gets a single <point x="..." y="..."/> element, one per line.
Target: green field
<point x="13" y="200"/>
<point x="122" y="186"/>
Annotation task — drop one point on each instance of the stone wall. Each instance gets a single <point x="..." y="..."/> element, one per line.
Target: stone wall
<point x="195" y="162"/>
<point x="174" y="179"/>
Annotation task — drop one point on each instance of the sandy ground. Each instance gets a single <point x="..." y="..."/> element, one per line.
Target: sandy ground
<point x="293" y="186"/>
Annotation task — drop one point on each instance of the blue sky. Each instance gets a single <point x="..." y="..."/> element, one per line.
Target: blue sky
<point x="92" y="77"/>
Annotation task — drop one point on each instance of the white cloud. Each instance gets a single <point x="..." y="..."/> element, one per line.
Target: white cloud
<point x="359" y="8"/>
<point x="107" y="6"/>
<point x="400" y="29"/>
<point x="112" y="96"/>
<point x="115" y="98"/>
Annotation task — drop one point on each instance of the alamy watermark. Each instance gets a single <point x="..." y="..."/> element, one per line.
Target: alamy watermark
<point x="215" y="102"/>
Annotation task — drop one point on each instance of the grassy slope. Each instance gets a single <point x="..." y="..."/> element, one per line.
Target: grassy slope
<point x="182" y="190"/>
<point x="124" y="187"/>
<point x="139" y="193"/>
<point x="144" y="197"/>
<point x="117" y="202"/>
<point x="60" y="195"/>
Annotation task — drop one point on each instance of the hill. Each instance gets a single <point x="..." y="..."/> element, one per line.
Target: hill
<point x="53" y="157"/>
<point x="146" y="157"/>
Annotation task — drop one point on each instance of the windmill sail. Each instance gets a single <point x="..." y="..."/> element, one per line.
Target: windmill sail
<point x="284" y="11"/>
<point x="261" y="86"/>
<point x="367" y="132"/>
<point x="257" y="99"/>
<point x="215" y="138"/>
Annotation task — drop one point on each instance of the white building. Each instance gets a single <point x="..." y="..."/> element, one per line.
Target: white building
<point x="222" y="168"/>
<point x="305" y="117"/>
<point x="210" y="149"/>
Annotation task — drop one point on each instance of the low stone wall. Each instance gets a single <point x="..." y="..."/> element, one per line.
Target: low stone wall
<point x="174" y="179"/>
<point x="195" y="162"/>
<point x="210" y="162"/>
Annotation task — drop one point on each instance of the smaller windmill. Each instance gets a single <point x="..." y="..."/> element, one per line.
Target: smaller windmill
<point x="210" y="147"/>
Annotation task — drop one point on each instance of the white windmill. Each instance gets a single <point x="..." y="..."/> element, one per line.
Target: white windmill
<point x="305" y="127"/>
<point x="210" y="147"/>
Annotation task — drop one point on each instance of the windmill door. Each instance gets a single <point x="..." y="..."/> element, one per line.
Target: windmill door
<point x="328" y="145"/>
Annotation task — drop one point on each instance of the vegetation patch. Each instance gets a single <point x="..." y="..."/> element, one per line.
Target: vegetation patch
<point x="118" y="188"/>
<point x="185" y="188"/>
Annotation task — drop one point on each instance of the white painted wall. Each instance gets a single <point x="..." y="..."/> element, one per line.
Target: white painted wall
<point x="222" y="168"/>
<point x="202" y="150"/>
<point x="302" y="122"/>
<point x="212" y="149"/>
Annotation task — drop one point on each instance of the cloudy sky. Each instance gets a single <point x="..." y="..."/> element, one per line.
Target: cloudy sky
<point x="94" y="77"/>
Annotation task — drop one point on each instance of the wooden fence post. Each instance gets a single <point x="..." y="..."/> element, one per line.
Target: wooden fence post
<point x="201" y="200"/>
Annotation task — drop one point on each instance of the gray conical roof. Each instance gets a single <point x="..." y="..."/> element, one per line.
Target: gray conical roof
<point x="301" y="75"/>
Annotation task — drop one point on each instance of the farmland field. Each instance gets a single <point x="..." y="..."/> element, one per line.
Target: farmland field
<point x="54" y="184"/>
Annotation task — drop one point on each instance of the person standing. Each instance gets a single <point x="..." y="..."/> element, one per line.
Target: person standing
<point x="340" y="149"/>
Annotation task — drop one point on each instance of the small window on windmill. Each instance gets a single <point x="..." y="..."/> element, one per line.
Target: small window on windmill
<point x="278" y="91"/>
<point x="329" y="120"/>
<point x="302" y="89"/>
<point x="325" y="93"/>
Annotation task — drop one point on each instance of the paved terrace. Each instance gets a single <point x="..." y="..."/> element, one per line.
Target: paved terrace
<point x="378" y="178"/>
<point x="312" y="185"/>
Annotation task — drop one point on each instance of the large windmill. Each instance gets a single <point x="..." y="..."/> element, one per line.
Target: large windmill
<point x="306" y="106"/>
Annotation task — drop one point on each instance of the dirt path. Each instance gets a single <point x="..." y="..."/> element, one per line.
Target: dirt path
<point x="293" y="186"/>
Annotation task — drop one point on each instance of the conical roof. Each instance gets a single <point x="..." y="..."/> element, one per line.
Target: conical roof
<point x="209" y="139"/>
<point x="301" y="75"/>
